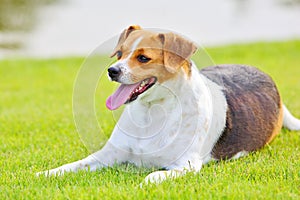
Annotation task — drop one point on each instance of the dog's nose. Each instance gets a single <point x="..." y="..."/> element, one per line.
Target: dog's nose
<point x="114" y="73"/>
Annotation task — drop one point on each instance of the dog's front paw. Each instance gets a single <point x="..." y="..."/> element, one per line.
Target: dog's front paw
<point x="160" y="176"/>
<point x="156" y="177"/>
<point x="52" y="172"/>
<point x="40" y="174"/>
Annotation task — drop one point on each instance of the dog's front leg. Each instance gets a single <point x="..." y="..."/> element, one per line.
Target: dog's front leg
<point x="107" y="156"/>
<point x="162" y="175"/>
<point x="174" y="172"/>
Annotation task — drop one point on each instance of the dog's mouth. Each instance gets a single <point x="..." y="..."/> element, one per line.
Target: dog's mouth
<point x="127" y="93"/>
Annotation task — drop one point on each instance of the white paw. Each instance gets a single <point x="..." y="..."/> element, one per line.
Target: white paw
<point x="156" y="177"/>
<point x="52" y="172"/>
<point x="40" y="174"/>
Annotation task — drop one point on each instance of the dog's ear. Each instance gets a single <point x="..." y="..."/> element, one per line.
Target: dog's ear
<point x="123" y="37"/>
<point x="176" y="50"/>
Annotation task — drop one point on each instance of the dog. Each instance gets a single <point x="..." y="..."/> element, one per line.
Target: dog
<point x="178" y="118"/>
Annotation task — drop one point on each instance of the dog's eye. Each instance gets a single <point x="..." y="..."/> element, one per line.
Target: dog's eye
<point x="143" y="59"/>
<point x="119" y="55"/>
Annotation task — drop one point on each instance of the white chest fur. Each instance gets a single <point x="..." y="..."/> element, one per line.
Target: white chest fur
<point x="169" y="125"/>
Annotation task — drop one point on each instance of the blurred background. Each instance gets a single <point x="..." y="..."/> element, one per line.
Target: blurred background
<point x="51" y="28"/>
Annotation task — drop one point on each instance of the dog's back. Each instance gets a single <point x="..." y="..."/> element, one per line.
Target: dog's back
<point x="254" y="113"/>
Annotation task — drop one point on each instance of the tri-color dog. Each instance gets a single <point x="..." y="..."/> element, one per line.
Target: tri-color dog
<point x="177" y="118"/>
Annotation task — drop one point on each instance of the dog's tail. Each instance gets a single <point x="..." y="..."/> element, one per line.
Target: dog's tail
<point x="289" y="121"/>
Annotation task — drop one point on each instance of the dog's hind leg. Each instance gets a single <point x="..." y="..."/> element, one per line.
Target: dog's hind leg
<point x="289" y="121"/>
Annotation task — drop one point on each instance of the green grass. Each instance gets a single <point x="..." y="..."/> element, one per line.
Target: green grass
<point x="37" y="132"/>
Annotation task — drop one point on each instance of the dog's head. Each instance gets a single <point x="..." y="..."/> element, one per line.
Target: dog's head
<point x="146" y="58"/>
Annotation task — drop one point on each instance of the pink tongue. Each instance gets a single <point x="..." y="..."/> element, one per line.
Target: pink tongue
<point x="120" y="96"/>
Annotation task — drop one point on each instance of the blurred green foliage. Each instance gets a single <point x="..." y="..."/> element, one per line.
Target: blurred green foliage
<point x="19" y="15"/>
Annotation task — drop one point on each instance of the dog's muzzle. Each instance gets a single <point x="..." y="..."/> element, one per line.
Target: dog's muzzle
<point x="114" y="73"/>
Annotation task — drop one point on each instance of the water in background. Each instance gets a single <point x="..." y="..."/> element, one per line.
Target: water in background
<point x="75" y="27"/>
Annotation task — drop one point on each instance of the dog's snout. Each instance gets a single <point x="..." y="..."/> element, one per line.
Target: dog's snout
<point x="114" y="73"/>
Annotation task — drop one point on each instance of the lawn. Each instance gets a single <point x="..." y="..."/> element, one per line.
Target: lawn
<point x="37" y="132"/>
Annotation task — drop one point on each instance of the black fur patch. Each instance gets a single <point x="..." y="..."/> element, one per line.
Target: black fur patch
<point x="253" y="108"/>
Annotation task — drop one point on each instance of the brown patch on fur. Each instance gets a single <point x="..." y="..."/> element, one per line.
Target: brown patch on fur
<point x="151" y="47"/>
<point x="124" y="35"/>
<point x="177" y="51"/>
<point x="278" y="125"/>
<point x="187" y="68"/>
<point x="168" y="53"/>
<point x="253" y="112"/>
